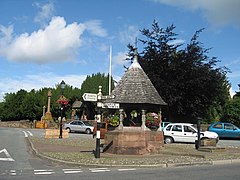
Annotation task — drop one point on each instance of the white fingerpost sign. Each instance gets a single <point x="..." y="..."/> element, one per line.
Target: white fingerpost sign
<point x="89" y="97"/>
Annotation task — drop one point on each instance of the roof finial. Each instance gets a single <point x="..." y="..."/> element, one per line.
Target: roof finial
<point x="135" y="63"/>
<point x="135" y="49"/>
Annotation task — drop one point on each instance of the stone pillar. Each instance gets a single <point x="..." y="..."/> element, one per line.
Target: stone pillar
<point x="160" y="119"/>
<point x="120" y="127"/>
<point x="48" y="115"/>
<point x="49" y="99"/>
<point x="144" y="128"/>
<point x="43" y="111"/>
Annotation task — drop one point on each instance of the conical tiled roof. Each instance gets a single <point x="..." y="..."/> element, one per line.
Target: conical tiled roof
<point x="136" y="88"/>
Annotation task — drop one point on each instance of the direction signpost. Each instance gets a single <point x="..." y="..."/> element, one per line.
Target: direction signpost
<point x="111" y="105"/>
<point x="90" y="97"/>
<point x="98" y="98"/>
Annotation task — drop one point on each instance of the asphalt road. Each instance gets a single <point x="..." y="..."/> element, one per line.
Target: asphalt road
<point x="14" y="152"/>
<point x="16" y="162"/>
<point x="220" y="172"/>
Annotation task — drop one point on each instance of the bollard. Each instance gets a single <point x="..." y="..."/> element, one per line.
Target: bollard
<point x="198" y="141"/>
<point x="99" y="107"/>
<point x="97" y="152"/>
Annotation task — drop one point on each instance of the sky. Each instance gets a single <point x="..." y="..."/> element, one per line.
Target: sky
<point x="43" y="42"/>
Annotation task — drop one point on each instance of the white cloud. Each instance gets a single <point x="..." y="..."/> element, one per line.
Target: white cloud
<point x="129" y="34"/>
<point x="5" y="37"/>
<point x="232" y="92"/>
<point x="94" y="27"/>
<point x="47" y="11"/>
<point x="218" y="12"/>
<point x="177" y="42"/>
<point x="57" y="42"/>
<point x="38" y="81"/>
<point x="119" y="59"/>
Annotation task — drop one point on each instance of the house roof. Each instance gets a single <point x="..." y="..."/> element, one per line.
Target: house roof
<point x="136" y="88"/>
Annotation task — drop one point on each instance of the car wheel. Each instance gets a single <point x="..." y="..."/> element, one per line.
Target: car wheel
<point x="68" y="129"/>
<point x="88" y="131"/>
<point x="168" y="140"/>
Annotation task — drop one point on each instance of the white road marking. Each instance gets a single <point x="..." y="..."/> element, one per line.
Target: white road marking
<point x="71" y="171"/>
<point x="131" y="169"/>
<point x="43" y="172"/>
<point x="13" y="172"/>
<point x="25" y="134"/>
<point x="30" y="133"/>
<point x="99" y="170"/>
<point x="8" y="157"/>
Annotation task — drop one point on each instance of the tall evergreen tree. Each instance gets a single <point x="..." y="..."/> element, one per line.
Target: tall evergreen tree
<point x="186" y="78"/>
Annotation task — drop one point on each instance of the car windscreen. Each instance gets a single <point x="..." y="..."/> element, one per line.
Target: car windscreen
<point x="87" y="123"/>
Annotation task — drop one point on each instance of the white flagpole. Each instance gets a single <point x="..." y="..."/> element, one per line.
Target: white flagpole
<point x="110" y="71"/>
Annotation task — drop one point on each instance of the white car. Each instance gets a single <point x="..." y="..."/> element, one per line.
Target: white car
<point x="185" y="132"/>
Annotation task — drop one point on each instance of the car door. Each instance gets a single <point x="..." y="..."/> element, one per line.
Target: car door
<point x="189" y="134"/>
<point x="218" y="128"/>
<point x="177" y="133"/>
<point x="81" y="127"/>
<point x="73" y="126"/>
<point x="230" y="131"/>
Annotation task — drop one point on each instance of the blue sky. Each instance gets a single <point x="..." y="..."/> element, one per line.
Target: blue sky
<point x="43" y="42"/>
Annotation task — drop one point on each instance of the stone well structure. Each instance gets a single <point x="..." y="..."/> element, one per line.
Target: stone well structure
<point x="135" y="91"/>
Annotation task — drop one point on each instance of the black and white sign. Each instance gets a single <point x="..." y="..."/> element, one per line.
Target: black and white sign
<point x="89" y="97"/>
<point x="111" y="105"/>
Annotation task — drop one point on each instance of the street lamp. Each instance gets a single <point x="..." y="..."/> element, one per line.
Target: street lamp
<point x="62" y="86"/>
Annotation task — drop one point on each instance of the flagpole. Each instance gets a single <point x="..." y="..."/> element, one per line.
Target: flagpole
<point x="110" y="71"/>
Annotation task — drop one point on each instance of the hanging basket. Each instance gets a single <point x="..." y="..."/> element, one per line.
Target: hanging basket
<point x="62" y="100"/>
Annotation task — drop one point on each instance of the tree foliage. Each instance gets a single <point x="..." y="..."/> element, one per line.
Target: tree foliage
<point x="29" y="105"/>
<point x="186" y="78"/>
<point x="92" y="83"/>
<point x="231" y="111"/>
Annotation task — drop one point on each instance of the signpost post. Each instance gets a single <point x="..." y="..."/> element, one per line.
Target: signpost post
<point x="98" y="98"/>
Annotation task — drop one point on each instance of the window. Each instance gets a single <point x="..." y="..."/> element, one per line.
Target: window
<point x="80" y="123"/>
<point x="74" y="123"/>
<point x="218" y="126"/>
<point x="168" y="128"/>
<point x="228" y="127"/>
<point x="188" y="129"/>
<point x="177" y="128"/>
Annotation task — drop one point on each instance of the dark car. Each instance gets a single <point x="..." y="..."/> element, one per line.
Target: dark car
<point x="225" y="130"/>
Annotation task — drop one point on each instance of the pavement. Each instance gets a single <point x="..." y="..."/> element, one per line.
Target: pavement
<point x="78" y="151"/>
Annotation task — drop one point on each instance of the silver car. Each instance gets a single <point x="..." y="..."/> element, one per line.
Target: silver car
<point x="79" y="126"/>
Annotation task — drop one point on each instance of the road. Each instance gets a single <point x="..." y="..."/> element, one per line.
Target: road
<point x="16" y="162"/>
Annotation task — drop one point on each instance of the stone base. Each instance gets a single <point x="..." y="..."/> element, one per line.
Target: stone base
<point x="54" y="133"/>
<point x="134" y="142"/>
<point x="43" y="124"/>
<point x="209" y="142"/>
